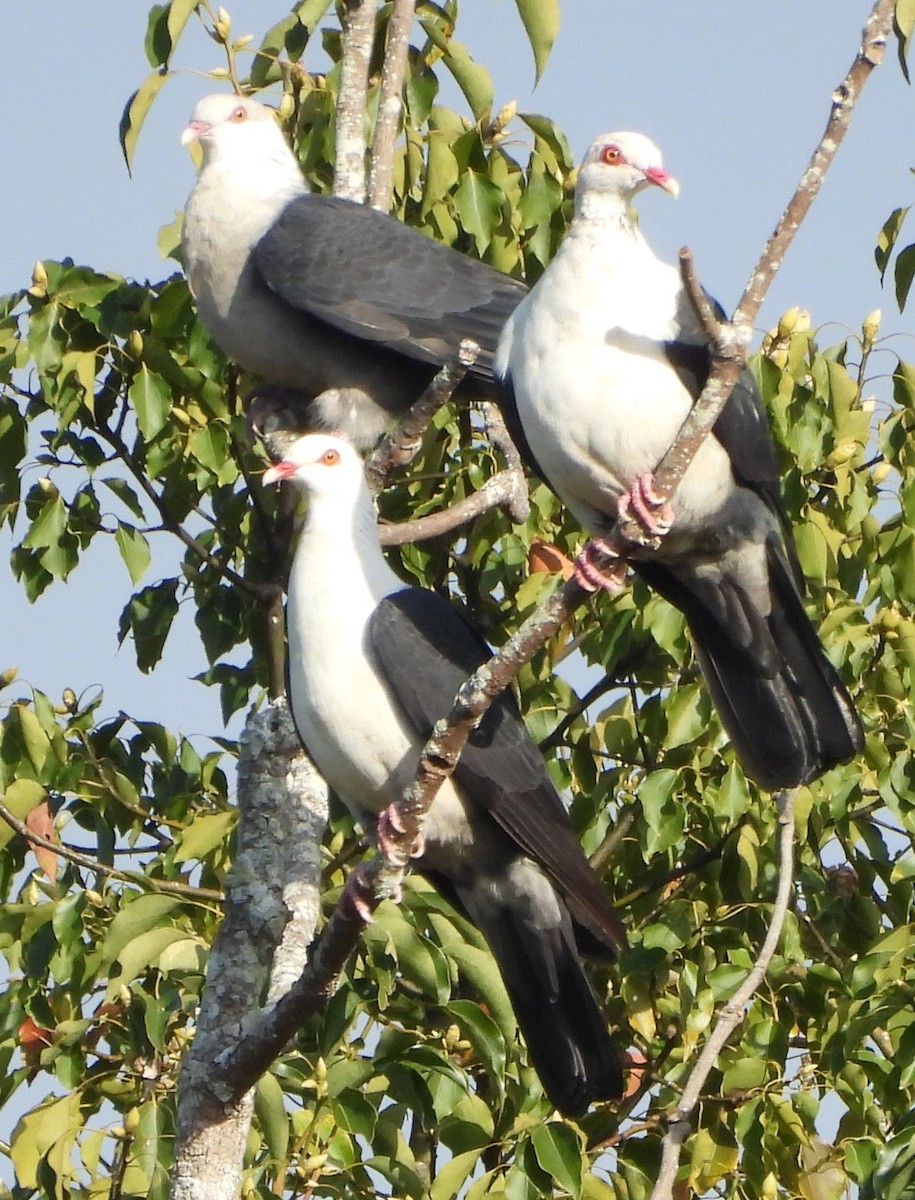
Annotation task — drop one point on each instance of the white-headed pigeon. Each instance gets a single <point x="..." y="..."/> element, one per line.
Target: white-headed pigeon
<point x="373" y="664"/>
<point x="338" y="302"/>
<point x="601" y="365"/>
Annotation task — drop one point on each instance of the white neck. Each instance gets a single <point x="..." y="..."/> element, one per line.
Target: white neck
<point x="343" y="538"/>
<point x="608" y="210"/>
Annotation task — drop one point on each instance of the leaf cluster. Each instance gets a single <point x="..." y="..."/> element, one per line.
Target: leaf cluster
<point x="119" y="420"/>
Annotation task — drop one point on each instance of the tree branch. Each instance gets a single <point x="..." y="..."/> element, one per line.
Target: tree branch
<point x="349" y="165"/>
<point x="729" y="341"/>
<point x="401" y="444"/>
<point x="271" y="908"/>
<point x="500" y="490"/>
<point x="137" y="878"/>
<point x="390" y="104"/>
<point x="733" y="1012"/>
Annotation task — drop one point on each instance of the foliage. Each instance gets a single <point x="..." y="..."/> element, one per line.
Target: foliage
<point x="413" y="1081"/>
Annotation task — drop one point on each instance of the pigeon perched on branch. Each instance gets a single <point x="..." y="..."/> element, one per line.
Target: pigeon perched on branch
<point x="373" y="664"/>
<point x="601" y="364"/>
<point x="338" y="302"/>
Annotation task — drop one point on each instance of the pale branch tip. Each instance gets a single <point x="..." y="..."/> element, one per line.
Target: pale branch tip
<point x="680" y="1120"/>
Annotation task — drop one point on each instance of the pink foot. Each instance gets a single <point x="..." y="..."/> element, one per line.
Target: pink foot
<point x="358" y="900"/>
<point x="388" y="832"/>
<point x="588" y="574"/>
<point x="655" y="514"/>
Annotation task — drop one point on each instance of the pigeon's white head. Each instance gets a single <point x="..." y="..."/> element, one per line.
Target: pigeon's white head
<point x="321" y="464"/>
<point x="236" y="130"/>
<point x="621" y="164"/>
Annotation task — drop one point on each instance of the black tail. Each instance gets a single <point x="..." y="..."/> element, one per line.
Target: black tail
<point x="780" y="699"/>
<point x="565" y="1032"/>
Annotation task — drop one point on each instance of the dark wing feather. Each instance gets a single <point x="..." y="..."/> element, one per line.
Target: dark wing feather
<point x="371" y="276"/>
<point x="425" y="649"/>
<point x="743" y="430"/>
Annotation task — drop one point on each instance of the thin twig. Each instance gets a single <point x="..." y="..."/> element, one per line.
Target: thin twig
<point x="518" y="505"/>
<point x="390" y="104"/>
<point x="498" y="491"/>
<point x="401" y="445"/>
<point x="733" y="1012"/>
<point x="729" y="341"/>
<point x="137" y="878"/>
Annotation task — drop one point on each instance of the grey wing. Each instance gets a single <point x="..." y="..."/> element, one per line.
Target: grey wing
<point x="371" y="276"/>
<point x="426" y="650"/>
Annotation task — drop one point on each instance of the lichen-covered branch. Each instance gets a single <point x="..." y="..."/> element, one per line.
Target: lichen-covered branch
<point x="390" y="104"/>
<point x="359" y="35"/>
<point x="271" y="910"/>
<point x="679" y="1122"/>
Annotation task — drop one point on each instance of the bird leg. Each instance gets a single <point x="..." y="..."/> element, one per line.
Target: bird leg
<point x="654" y="513"/>
<point x="389" y="832"/>
<point x="358" y="899"/>
<point x="588" y="574"/>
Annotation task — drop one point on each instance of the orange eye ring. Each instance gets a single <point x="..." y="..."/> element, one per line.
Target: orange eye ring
<point x="612" y="156"/>
<point x="330" y="458"/>
<point x="240" y="114"/>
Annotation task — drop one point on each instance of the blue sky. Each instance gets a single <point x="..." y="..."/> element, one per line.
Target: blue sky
<point x="736" y="95"/>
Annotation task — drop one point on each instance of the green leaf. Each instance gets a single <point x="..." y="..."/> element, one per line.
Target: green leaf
<point x="887" y="237"/>
<point x="127" y="496"/>
<point x="135" y="112"/>
<point x="473" y="80"/>
<point x="35" y="740"/>
<point x="484" y="1036"/>
<point x="134" y="550"/>
<point x="142" y="953"/>
<point x="53" y="1122"/>
<point x="269" y="1108"/>
<point x="152" y="401"/>
<point x="179" y="13"/>
<point x="479" y="206"/>
<point x="135" y="918"/>
<point x="157" y="43"/>
<point x="541" y="20"/>
<point x="450" y="1178"/>
<point x="904" y="21"/>
<point x="904" y="272"/>
<point x="559" y="1153"/>
<point x="203" y="835"/>
<point x="149" y="614"/>
<point x="20" y="798"/>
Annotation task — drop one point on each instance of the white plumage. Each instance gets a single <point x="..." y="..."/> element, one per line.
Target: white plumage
<point x="372" y="665"/>
<point x="601" y="364"/>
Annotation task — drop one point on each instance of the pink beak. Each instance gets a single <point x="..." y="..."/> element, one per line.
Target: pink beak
<point x="193" y="131"/>
<point x="659" y="176"/>
<point x="279" y="471"/>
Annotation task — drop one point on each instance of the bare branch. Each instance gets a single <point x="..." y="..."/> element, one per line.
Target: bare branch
<point x="401" y="445"/>
<point x="501" y="489"/>
<point x="877" y="30"/>
<point x="137" y="878"/>
<point x="733" y="1012"/>
<point x="349" y="167"/>
<point x="729" y="341"/>
<point x="390" y="104"/>
<point x="518" y="505"/>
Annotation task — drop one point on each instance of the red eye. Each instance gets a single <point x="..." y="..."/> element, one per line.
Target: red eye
<point x="240" y="114"/>
<point x="330" y="458"/>
<point x="612" y="156"/>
